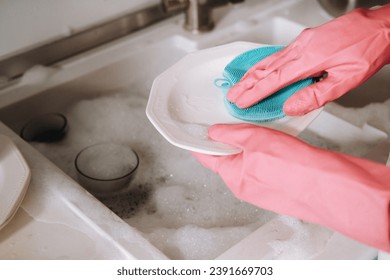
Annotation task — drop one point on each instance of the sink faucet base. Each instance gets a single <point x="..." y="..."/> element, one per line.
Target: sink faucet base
<point x="198" y="17"/>
<point x="198" y="13"/>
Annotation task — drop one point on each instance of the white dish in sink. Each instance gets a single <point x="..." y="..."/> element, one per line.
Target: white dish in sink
<point x="14" y="179"/>
<point x="184" y="101"/>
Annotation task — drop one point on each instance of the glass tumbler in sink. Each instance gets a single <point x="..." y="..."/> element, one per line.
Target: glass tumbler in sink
<point x="106" y="169"/>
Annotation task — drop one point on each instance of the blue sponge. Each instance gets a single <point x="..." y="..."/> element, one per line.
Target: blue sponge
<point x="270" y="108"/>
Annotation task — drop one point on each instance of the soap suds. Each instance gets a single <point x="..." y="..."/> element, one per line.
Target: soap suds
<point x="175" y="209"/>
<point x="181" y="207"/>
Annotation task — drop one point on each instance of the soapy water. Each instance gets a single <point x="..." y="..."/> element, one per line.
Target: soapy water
<point x="182" y="208"/>
<point x="174" y="201"/>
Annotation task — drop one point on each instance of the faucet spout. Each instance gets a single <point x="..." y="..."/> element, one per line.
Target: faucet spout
<point x="198" y="13"/>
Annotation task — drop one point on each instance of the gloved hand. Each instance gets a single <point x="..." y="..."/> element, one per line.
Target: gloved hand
<point x="281" y="173"/>
<point x="349" y="49"/>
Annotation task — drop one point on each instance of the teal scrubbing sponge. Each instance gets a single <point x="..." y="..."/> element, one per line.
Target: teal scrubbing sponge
<point x="269" y="109"/>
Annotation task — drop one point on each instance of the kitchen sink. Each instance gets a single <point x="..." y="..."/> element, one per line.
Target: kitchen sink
<point x="374" y="90"/>
<point x="182" y="209"/>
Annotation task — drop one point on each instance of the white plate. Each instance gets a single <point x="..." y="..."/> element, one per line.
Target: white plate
<point x="184" y="101"/>
<point x="14" y="179"/>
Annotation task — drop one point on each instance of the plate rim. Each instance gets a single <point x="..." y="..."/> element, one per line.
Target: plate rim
<point x="21" y="182"/>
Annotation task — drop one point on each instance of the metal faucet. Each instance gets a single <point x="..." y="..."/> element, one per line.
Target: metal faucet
<point x="198" y="13"/>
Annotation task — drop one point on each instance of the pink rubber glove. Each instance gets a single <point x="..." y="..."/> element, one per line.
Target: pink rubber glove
<point x="281" y="173"/>
<point x="350" y="49"/>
